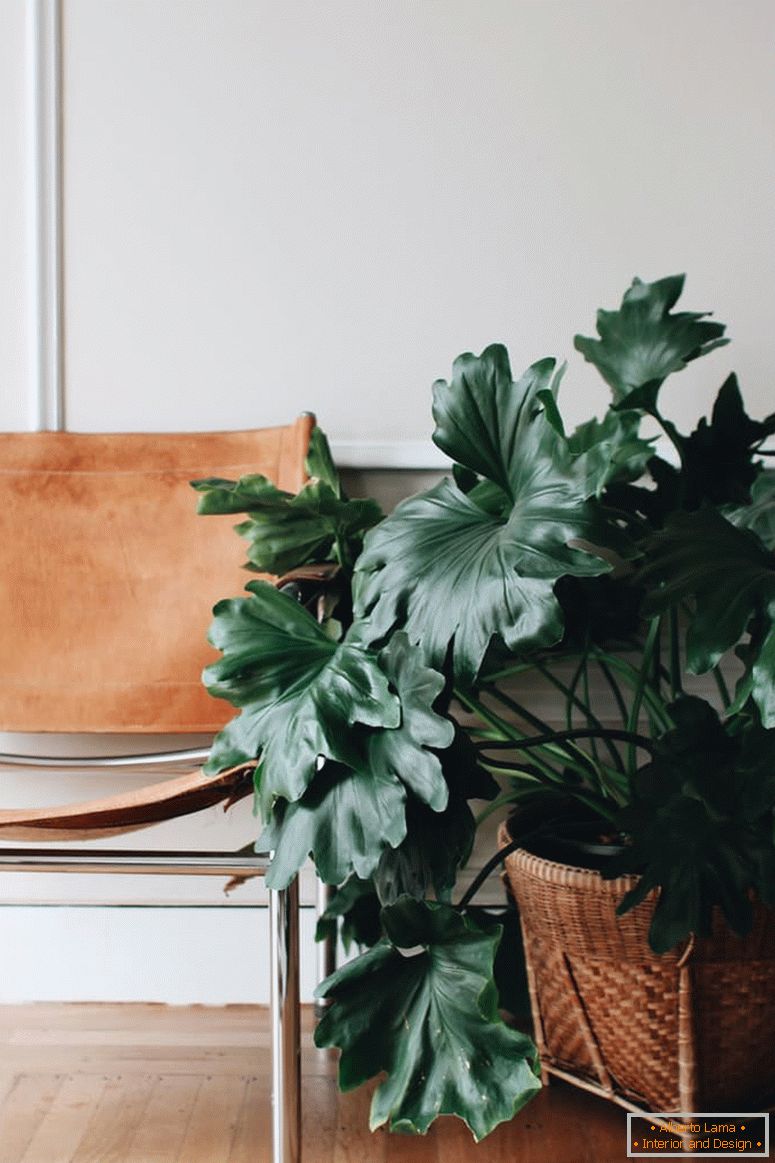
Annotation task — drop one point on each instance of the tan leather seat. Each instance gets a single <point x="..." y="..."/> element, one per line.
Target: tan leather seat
<point x="107" y="580"/>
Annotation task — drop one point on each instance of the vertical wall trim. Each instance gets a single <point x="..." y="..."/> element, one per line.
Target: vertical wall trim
<point x="44" y="182"/>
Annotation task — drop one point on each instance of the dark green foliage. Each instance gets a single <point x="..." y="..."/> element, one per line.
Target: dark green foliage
<point x="352" y="914"/>
<point x="700" y="825"/>
<point x="719" y="464"/>
<point x="759" y="516"/>
<point x="421" y="1006"/>
<point x="437" y="844"/>
<point x="730" y="575"/>
<point x="343" y="821"/>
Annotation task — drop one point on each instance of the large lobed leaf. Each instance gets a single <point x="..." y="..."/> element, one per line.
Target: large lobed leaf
<point x="730" y="575"/>
<point x="644" y="341"/>
<point x="422" y="1006"/>
<point x="451" y="566"/>
<point x="300" y="693"/>
<point x="718" y="460"/>
<point x="349" y="815"/>
<point x="343" y="821"/>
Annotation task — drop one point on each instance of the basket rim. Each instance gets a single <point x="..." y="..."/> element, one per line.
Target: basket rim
<point x="555" y="872"/>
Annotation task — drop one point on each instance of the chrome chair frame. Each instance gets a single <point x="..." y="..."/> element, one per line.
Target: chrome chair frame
<point x="283" y="919"/>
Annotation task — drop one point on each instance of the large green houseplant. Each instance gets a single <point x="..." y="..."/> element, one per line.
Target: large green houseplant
<point x="376" y="689"/>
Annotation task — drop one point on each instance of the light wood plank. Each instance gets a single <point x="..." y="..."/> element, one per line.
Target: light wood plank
<point x="23" y="1111"/>
<point x="252" y="1142"/>
<point x="319" y="1112"/>
<point x="161" y="1133"/>
<point x="65" y="1121"/>
<point x="115" y="1120"/>
<point x="213" y="1124"/>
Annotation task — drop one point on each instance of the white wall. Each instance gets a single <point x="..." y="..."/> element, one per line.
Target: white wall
<point x="281" y="205"/>
<point x="272" y="206"/>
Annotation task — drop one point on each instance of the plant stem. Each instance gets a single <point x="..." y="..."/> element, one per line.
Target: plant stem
<point x="591" y="719"/>
<point x="572" y="699"/>
<point x="640" y="688"/>
<point x="650" y="696"/>
<point x="676" y="687"/>
<point x="571" y="757"/>
<point x="582" y="764"/>
<point x="517" y="708"/>
<point x="672" y="433"/>
<point x="615" y="690"/>
<point x="484" y="872"/>
<point x="505" y="729"/>
<point x="722" y="687"/>
<point x="627" y="736"/>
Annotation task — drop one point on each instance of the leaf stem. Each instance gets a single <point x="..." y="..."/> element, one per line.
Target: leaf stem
<point x="642" y="683"/>
<point x="592" y="719"/>
<point x="676" y="687"/>
<point x="627" y="736"/>
<point x="605" y="670"/>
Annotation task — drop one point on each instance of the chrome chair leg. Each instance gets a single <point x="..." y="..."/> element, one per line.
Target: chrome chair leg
<point x="286" y="1059"/>
<point x="326" y="949"/>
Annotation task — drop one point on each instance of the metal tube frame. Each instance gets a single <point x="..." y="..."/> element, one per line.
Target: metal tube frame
<point x="191" y="755"/>
<point x="326" y="949"/>
<point x="283" y="945"/>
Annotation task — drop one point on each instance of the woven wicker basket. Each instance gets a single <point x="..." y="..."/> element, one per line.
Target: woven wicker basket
<point x="692" y="1030"/>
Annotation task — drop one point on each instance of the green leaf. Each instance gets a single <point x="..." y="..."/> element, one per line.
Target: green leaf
<point x="284" y="530"/>
<point x="349" y="814"/>
<point x="404" y="752"/>
<point x="759" y="516"/>
<point x="430" y="1021"/>
<point x="700" y="824"/>
<point x="483" y="419"/>
<point x="611" y="450"/>
<point x="251" y="492"/>
<point x="731" y="577"/>
<point x="357" y="904"/>
<point x="300" y="693"/>
<point x="320" y="462"/>
<point x="718" y="457"/>
<point x="310" y="526"/>
<point x="437" y="843"/>
<point x="343" y="820"/>
<point x="443" y="567"/>
<point x="643" y="342"/>
<point x="762" y="671"/>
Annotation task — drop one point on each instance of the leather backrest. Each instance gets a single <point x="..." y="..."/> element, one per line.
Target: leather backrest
<point x="108" y="576"/>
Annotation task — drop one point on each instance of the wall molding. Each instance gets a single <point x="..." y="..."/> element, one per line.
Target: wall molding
<point x="43" y="36"/>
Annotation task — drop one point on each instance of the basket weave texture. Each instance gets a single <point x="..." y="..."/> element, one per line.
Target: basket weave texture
<point x="691" y="1030"/>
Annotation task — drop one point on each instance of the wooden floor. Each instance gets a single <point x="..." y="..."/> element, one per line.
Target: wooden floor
<point x="153" y="1084"/>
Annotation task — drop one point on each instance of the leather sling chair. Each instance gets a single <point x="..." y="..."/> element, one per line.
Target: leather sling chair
<point x="107" y="580"/>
